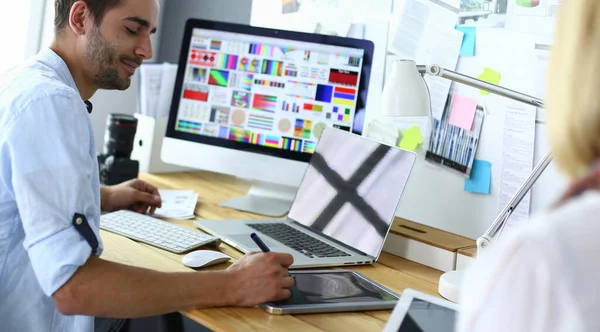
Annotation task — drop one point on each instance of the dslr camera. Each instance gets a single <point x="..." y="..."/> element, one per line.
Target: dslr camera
<point x="114" y="163"/>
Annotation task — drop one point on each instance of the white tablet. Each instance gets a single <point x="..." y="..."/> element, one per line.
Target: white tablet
<point x="420" y="312"/>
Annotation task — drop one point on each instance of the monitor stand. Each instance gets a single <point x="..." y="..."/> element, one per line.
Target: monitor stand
<point x="266" y="198"/>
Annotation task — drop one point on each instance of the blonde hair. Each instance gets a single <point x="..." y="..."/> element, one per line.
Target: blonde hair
<point x="573" y="95"/>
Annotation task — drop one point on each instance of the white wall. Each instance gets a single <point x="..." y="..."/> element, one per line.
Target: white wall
<point x="20" y="26"/>
<point x="435" y="196"/>
<point x="176" y="13"/>
<point x="451" y="208"/>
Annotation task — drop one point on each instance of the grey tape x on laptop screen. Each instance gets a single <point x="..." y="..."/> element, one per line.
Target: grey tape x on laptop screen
<point x="351" y="189"/>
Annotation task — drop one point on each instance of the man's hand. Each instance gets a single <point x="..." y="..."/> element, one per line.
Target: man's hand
<point x="260" y="277"/>
<point x="135" y="195"/>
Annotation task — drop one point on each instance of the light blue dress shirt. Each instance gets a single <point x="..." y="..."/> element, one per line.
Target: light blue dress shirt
<point x="48" y="173"/>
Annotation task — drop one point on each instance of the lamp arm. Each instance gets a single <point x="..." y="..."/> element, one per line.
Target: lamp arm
<point x="436" y="70"/>
<point x="501" y="220"/>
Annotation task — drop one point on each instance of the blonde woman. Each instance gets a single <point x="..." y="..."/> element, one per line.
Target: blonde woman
<point x="547" y="276"/>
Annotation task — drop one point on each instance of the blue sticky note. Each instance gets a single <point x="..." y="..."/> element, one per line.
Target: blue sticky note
<point x="468" y="43"/>
<point x="481" y="178"/>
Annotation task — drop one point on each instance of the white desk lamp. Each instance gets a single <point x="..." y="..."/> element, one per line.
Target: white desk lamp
<point x="406" y="94"/>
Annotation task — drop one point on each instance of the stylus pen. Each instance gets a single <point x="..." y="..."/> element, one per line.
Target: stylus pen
<point x="262" y="245"/>
<point x="259" y="242"/>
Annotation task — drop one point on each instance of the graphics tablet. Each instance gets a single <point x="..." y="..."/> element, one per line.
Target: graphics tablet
<point x="420" y="312"/>
<point x="333" y="291"/>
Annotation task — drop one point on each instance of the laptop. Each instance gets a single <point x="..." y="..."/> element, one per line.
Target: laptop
<point x="343" y="209"/>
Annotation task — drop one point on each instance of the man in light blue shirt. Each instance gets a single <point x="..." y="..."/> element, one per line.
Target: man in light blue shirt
<point x="51" y="275"/>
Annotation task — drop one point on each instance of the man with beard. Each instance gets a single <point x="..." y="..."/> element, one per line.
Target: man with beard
<point x="51" y="275"/>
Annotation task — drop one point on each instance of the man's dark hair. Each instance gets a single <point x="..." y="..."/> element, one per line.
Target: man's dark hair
<point x="98" y="8"/>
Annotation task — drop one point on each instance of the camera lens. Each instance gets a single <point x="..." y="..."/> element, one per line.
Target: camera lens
<point x="118" y="138"/>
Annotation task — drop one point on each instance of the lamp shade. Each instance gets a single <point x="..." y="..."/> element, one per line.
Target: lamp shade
<point x="405" y="92"/>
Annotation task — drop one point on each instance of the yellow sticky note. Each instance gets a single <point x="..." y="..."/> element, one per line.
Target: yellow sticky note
<point x="411" y="139"/>
<point x="489" y="75"/>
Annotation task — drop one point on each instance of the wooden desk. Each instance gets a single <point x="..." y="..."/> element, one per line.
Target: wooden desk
<point x="469" y="252"/>
<point x="391" y="271"/>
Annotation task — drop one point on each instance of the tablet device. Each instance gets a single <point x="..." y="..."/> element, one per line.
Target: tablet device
<point x="420" y="312"/>
<point x="333" y="291"/>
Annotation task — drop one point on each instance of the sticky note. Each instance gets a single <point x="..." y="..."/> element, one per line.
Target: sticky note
<point x="481" y="178"/>
<point x="489" y="75"/>
<point x="411" y="139"/>
<point x="462" y="112"/>
<point x="468" y="44"/>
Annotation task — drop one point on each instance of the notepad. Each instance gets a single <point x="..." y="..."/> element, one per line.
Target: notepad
<point x="481" y="178"/>
<point x="489" y="75"/>
<point x="468" y="44"/>
<point x="411" y="139"/>
<point x="462" y="113"/>
<point x="177" y="204"/>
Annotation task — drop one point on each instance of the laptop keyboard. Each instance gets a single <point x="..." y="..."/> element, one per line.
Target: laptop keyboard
<point x="297" y="240"/>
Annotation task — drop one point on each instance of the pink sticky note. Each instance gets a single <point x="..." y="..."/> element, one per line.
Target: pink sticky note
<point x="462" y="112"/>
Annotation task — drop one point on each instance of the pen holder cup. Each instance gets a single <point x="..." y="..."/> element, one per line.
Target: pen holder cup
<point x="147" y="144"/>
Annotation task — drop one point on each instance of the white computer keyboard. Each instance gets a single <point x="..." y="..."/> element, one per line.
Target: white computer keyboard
<point x="155" y="232"/>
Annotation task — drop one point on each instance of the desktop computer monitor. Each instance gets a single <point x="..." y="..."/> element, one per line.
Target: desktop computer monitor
<point x="252" y="102"/>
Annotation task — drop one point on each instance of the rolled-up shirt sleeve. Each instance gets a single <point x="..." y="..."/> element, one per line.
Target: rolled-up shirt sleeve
<point x="52" y="176"/>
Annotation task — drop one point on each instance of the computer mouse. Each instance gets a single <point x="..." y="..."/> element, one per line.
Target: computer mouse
<point x="204" y="258"/>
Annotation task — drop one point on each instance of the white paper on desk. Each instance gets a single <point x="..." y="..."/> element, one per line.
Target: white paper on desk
<point x="383" y="132"/>
<point x="517" y="160"/>
<point x="177" y="204"/>
<point x="150" y="85"/>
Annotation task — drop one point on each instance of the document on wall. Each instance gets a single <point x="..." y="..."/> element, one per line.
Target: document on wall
<point x="517" y="160"/>
<point x="417" y="25"/>
<point x="377" y="31"/>
<point x="177" y="204"/>
<point x="151" y="78"/>
<point x="424" y="32"/>
<point x="167" y="85"/>
<point x="444" y="53"/>
<point x="157" y="81"/>
<point x="542" y="55"/>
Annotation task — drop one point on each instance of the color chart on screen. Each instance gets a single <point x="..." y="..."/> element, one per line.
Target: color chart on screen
<point x="271" y="92"/>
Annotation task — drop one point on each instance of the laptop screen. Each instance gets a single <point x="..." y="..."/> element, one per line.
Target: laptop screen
<point x="351" y="189"/>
